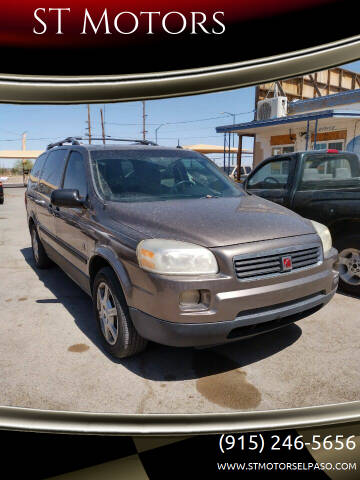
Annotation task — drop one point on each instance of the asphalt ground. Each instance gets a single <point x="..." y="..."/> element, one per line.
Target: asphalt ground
<point x="51" y="357"/>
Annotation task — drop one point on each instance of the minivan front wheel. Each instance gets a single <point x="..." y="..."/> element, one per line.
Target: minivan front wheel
<point x="117" y="331"/>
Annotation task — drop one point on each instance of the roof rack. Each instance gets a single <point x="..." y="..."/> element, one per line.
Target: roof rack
<point x="76" y="141"/>
<point x="72" y="140"/>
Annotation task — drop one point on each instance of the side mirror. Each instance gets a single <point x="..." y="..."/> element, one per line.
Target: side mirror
<point x="66" y="197"/>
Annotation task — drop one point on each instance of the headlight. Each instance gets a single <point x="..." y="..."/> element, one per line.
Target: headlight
<point x="170" y="257"/>
<point x="324" y="234"/>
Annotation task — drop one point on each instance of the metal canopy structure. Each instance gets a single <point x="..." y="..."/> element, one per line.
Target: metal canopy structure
<point x="21" y="155"/>
<point x="27" y="154"/>
<point x="202" y="148"/>
<point x="225" y="149"/>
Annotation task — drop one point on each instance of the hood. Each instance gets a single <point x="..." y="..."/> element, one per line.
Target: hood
<point x="211" y="222"/>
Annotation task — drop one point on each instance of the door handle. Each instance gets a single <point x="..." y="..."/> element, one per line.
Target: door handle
<point x="39" y="202"/>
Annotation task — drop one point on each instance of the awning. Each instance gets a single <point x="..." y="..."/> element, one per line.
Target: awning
<point x="252" y="127"/>
<point x="202" y="148"/>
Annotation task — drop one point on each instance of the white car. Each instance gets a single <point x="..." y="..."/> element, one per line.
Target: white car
<point x="245" y="170"/>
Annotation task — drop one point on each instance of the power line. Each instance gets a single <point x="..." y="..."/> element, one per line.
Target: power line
<point x="28" y="139"/>
<point x="182" y="121"/>
<point x="205" y="119"/>
<point x="194" y="136"/>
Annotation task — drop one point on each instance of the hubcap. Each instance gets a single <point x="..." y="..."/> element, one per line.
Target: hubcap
<point x="35" y="244"/>
<point x="349" y="266"/>
<point x="107" y="313"/>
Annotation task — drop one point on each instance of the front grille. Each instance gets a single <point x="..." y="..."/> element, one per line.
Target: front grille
<point x="260" y="265"/>
<point x="250" y="330"/>
<point x="277" y="306"/>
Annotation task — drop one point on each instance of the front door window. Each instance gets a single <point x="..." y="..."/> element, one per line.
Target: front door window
<point x="273" y="175"/>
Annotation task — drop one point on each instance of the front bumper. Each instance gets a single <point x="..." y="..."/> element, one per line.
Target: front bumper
<point x="158" y="295"/>
<point x="249" y="323"/>
<point x="236" y="308"/>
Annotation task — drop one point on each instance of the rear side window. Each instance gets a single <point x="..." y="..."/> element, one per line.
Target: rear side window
<point x="75" y="175"/>
<point x="328" y="172"/>
<point x="52" y="172"/>
<point x="35" y="171"/>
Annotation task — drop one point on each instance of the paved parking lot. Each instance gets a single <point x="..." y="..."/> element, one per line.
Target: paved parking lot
<point x="50" y="356"/>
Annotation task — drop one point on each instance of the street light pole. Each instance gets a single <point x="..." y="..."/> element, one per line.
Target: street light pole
<point x="233" y="115"/>
<point x="156" y="131"/>
<point x="23" y="147"/>
<point x="144" y="131"/>
<point x="89" y="123"/>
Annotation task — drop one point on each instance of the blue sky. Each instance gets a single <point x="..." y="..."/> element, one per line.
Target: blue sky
<point x="200" y="114"/>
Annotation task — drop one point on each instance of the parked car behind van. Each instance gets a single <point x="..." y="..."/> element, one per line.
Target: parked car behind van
<point x="232" y="171"/>
<point x="244" y="172"/>
<point x="170" y="249"/>
<point x="323" y="185"/>
<point x="1" y="193"/>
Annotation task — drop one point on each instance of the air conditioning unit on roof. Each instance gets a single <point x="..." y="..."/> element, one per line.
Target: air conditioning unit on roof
<point x="268" y="108"/>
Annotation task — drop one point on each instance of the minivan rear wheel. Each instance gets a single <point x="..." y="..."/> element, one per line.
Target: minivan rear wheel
<point x="117" y="331"/>
<point x="39" y="254"/>
<point x="348" y="247"/>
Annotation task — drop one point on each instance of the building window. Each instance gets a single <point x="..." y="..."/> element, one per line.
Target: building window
<point x="338" y="145"/>
<point x="280" y="149"/>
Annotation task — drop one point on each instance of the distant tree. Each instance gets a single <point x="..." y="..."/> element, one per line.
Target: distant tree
<point x="19" y="165"/>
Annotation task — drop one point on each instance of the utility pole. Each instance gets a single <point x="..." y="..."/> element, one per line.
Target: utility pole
<point x="23" y="147"/>
<point x="144" y="131"/>
<point x="89" y="123"/>
<point x="23" y="141"/>
<point x="102" y="125"/>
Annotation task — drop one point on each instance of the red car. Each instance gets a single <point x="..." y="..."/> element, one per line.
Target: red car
<point x="1" y="193"/>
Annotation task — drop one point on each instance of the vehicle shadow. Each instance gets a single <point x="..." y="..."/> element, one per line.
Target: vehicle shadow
<point x="159" y="362"/>
<point x="350" y="295"/>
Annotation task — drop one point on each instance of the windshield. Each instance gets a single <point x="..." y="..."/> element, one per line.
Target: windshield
<point x="328" y="172"/>
<point x="152" y="175"/>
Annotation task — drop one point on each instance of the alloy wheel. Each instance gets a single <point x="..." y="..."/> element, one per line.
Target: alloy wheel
<point x="35" y="244"/>
<point x="349" y="266"/>
<point x="107" y="313"/>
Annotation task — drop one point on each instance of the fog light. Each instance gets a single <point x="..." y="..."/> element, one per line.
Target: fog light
<point x="190" y="297"/>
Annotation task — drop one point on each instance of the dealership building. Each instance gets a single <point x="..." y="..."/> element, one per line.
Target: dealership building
<point x="323" y="122"/>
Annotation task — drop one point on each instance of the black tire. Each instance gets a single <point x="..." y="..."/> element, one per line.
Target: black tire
<point x="127" y="342"/>
<point x="1" y="201"/>
<point x="41" y="259"/>
<point x="343" y="243"/>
